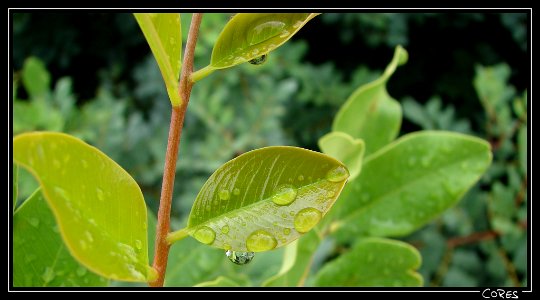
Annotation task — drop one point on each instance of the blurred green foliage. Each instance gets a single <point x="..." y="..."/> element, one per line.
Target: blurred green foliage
<point x="93" y="76"/>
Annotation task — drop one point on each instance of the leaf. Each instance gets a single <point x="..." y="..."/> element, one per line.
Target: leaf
<point x="297" y="261"/>
<point x="344" y="148"/>
<point x="373" y="262"/>
<point x="522" y="148"/>
<point x="99" y="208"/>
<point x="163" y="33"/>
<point x="40" y="257"/>
<point x="15" y="191"/>
<point x="247" y="36"/>
<point x="371" y="113"/>
<point x="265" y="198"/>
<point x="35" y="77"/>
<point x="410" y="182"/>
<point x="491" y="85"/>
<point x="218" y="282"/>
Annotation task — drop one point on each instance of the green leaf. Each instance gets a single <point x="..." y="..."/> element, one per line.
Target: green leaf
<point x="522" y="148"/>
<point x="373" y="262"/>
<point x="248" y="36"/>
<point x="15" y="191"/>
<point x="219" y="282"/>
<point x="35" y="77"/>
<point x="410" y="182"/>
<point x="371" y="113"/>
<point x="490" y="84"/>
<point x="266" y="198"/>
<point x="297" y="261"/>
<point x="40" y="257"/>
<point x="99" y="208"/>
<point x="164" y="35"/>
<point x="344" y="148"/>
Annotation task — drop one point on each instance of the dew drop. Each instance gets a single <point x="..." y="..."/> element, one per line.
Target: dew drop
<point x="224" y="195"/>
<point x="300" y="178"/>
<point x="259" y="60"/>
<point x="286" y="231"/>
<point x="284" y="195"/>
<point x="205" y="235"/>
<point x="138" y="244"/>
<point x="100" y="194"/>
<point x="172" y="41"/>
<point x="330" y="194"/>
<point x="34" y="222"/>
<point x="337" y="174"/>
<point x="225" y="229"/>
<point x="236" y="191"/>
<point x="48" y="275"/>
<point x="306" y="219"/>
<point x="260" y="240"/>
<point x="275" y="223"/>
<point x="291" y="213"/>
<point x="89" y="236"/>
<point x="239" y="258"/>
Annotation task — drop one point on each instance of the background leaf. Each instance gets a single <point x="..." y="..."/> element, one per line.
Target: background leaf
<point x="373" y="262"/>
<point x="219" y="282"/>
<point x="35" y="78"/>
<point x="40" y="257"/>
<point x="370" y="113"/>
<point x="99" y="208"/>
<point x="266" y="198"/>
<point x="250" y="35"/>
<point x="297" y="261"/>
<point x="411" y="181"/>
<point x="15" y="188"/>
<point x="163" y="33"/>
<point x="344" y="148"/>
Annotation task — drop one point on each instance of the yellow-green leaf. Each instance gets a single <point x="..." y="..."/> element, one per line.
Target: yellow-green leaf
<point x="249" y="36"/>
<point x="15" y="190"/>
<point x="373" y="262"/>
<point x="344" y="148"/>
<point x="164" y="35"/>
<point x="40" y="257"/>
<point x="98" y="206"/>
<point x="266" y="198"/>
<point x="371" y="113"/>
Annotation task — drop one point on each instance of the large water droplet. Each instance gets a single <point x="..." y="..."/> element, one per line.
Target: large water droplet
<point x="284" y="195"/>
<point x="205" y="235"/>
<point x="224" y="195"/>
<point x="306" y="219"/>
<point x="48" y="275"/>
<point x="260" y="240"/>
<point x="225" y="229"/>
<point x="337" y="174"/>
<point x="236" y="191"/>
<point x="34" y="222"/>
<point x="259" y="60"/>
<point x="240" y="258"/>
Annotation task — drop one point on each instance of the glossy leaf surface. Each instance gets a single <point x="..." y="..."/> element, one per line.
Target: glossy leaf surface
<point x="344" y="148"/>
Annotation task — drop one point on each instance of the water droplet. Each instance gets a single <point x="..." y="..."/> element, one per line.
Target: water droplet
<point x="297" y="24"/>
<point x="100" y="194"/>
<point x="260" y="240"/>
<point x="48" y="275"/>
<point x="286" y="231"/>
<point x="291" y="213"/>
<point x="80" y="271"/>
<point x="284" y="215"/>
<point x="284" y="195"/>
<point x="240" y="258"/>
<point x="275" y="223"/>
<point x="138" y="245"/>
<point x="244" y="224"/>
<point x="224" y="195"/>
<point x="259" y="60"/>
<point x="226" y="246"/>
<point x="205" y="235"/>
<point x="300" y="178"/>
<point x="306" y="219"/>
<point x="337" y="174"/>
<point x="172" y="41"/>
<point x="330" y="194"/>
<point x="34" y="222"/>
<point x="225" y="229"/>
<point x="89" y="236"/>
<point x="236" y="191"/>
<point x="285" y="33"/>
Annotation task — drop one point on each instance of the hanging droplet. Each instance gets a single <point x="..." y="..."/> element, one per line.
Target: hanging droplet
<point x="259" y="60"/>
<point x="240" y="258"/>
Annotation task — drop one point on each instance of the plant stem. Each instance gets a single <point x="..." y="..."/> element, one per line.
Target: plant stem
<point x="174" y="237"/>
<point x="200" y="74"/>
<point x="175" y="131"/>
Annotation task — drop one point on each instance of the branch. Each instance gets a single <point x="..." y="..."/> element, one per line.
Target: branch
<point x="175" y="132"/>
